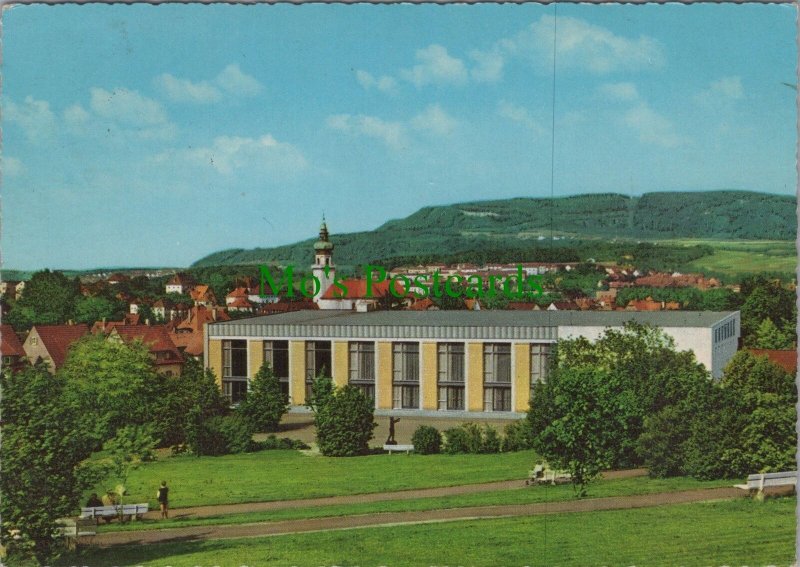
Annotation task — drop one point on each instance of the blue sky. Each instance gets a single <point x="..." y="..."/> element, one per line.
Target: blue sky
<point x="154" y="135"/>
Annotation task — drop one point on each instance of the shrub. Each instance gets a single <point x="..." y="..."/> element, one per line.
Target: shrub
<point x="427" y="440"/>
<point x="491" y="440"/>
<point x="517" y="437"/>
<point x="474" y="437"/>
<point x="273" y="442"/>
<point x="221" y="435"/>
<point x="265" y="403"/>
<point x="457" y="441"/>
<point x="345" y="423"/>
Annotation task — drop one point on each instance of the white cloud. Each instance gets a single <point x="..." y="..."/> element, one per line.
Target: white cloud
<point x="76" y="116"/>
<point x="625" y="92"/>
<point x="384" y="83"/>
<point x="726" y="89"/>
<point x="652" y="127"/>
<point x="488" y="65"/>
<point x="11" y="166"/>
<point x="435" y="120"/>
<point x="228" y="154"/>
<point x="234" y="81"/>
<point x="519" y="114"/>
<point x="435" y="66"/>
<point x="184" y="90"/>
<point x="33" y="116"/>
<point x="126" y="110"/>
<point x="582" y="45"/>
<point x="390" y="133"/>
<point x="230" y="80"/>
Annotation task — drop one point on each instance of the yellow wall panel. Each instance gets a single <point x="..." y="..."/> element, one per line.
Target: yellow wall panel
<point x="215" y="359"/>
<point x="255" y="352"/>
<point x="341" y="363"/>
<point x="428" y="371"/>
<point x="297" y="372"/>
<point x="383" y="351"/>
<point x="475" y="377"/>
<point x="522" y="377"/>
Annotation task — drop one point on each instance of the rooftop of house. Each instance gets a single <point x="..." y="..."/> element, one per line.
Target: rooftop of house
<point x="156" y="337"/>
<point x="357" y="289"/>
<point x="10" y="345"/>
<point x="786" y="359"/>
<point x="58" y="338"/>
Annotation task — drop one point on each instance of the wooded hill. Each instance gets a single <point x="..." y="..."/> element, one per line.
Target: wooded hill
<point x="528" y="223"/>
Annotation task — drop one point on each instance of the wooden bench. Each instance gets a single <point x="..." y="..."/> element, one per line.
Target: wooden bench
<point x="398" y="448"/>
<point x="73" y="528"/>
<point x="134" y="511"/>
<point x="758" y="482"/>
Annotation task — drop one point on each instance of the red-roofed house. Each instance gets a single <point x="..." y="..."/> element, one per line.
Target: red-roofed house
<point x="165" y="354"/>
<point x="786" y="359"/>
<point x="179" y="283"/>
<point x="105" y="327"/>
<point x="425" y="304"/>
<point x="355" y="295"/>
<point x="10" y="347"/>
<point x="188" y="334"/>
<point x="49" y="343"/>
<point x="202" y="295"/>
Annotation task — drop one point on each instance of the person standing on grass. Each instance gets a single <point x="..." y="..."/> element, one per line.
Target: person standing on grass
<point x="163" y="499"/>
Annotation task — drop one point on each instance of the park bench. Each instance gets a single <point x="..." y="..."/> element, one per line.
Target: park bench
<point x="73" y="528"/>
<point x="541" y="474"/>
<point x="758" y="482"/>
<point x="134" y="511"/>
<point x="398" y="448"/>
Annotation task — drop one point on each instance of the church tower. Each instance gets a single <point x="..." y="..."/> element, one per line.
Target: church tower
<point x="323" y="267"/>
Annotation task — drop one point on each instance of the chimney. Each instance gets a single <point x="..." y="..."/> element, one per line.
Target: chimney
<point x="147" y="321"/>
<point x="214" y="313"/>
<point x="70" y="322"/>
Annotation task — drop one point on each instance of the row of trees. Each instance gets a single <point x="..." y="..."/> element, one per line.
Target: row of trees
<point x="109" y="396"/>
<point x="629" y="399"/>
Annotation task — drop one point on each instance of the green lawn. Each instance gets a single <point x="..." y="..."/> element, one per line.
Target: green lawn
<point x="734" y="257"/>
<point x="528" y="495"/>
<point x="734" y="532"/>
<point x="287" y="475"/>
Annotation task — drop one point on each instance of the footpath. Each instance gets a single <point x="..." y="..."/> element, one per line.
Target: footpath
<point x="383" y="519"/>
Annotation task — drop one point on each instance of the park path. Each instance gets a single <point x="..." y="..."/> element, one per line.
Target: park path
<point x="385" y="519"/>
<point x="247" y="507"/>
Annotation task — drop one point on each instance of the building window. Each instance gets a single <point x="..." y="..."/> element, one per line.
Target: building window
<point x="34" y="341"/>
<point x="362" y="367"/>
<point x="277" y="354"/>
<point x="234" y="370"/>
<point x="540" y="363"/>
<point x="234" y="390"/>
<point x="496" y="377"/>
<point x="451" y="376"/>
<point x="234" y="359"/>
<point x="405" y="375"/>
<point x="318" y="361"/>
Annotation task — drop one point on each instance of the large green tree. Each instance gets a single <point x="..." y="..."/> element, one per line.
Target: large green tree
<point x="591" y="410"/>
<point x="91" y="309"/>
<point x="48" y="299"/>
<point x="265" y="403"/>
<point x="117" y="385"/>
<point x="345" y="423"/>
<point x="43" y="448"/>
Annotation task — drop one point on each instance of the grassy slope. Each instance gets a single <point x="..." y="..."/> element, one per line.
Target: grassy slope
<point x="739" y="532"/>
<point x="280" y="475"/>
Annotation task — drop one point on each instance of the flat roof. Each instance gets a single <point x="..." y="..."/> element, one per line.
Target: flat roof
<point x="485" y="324"/>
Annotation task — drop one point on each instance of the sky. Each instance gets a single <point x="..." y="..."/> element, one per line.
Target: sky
<point x="154" y="135"/>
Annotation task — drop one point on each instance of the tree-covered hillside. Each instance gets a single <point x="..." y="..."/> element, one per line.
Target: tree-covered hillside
<point x="529" y="223"/>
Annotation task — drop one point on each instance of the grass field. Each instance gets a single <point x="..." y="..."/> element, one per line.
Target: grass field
<point x="282" y="475"/>
<point x="737" y="257"/>
<point x="735" y="532"/>
<point x="527" y="495"/>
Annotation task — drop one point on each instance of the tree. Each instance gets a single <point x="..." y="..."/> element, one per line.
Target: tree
<point x="769" y="336"/>
<point x="49" y="299"/>
<point x="265" y="402"/>
<point x="131" y="446"/>
<point x="591" y="411"/>
<point x="767" y="300"/>
<point x="345" y="423"/>
<point x="91" y="309"/>
<point x="117" y="385"/>
<point x="321" y="392"/>
<point x="42" y="451"/>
